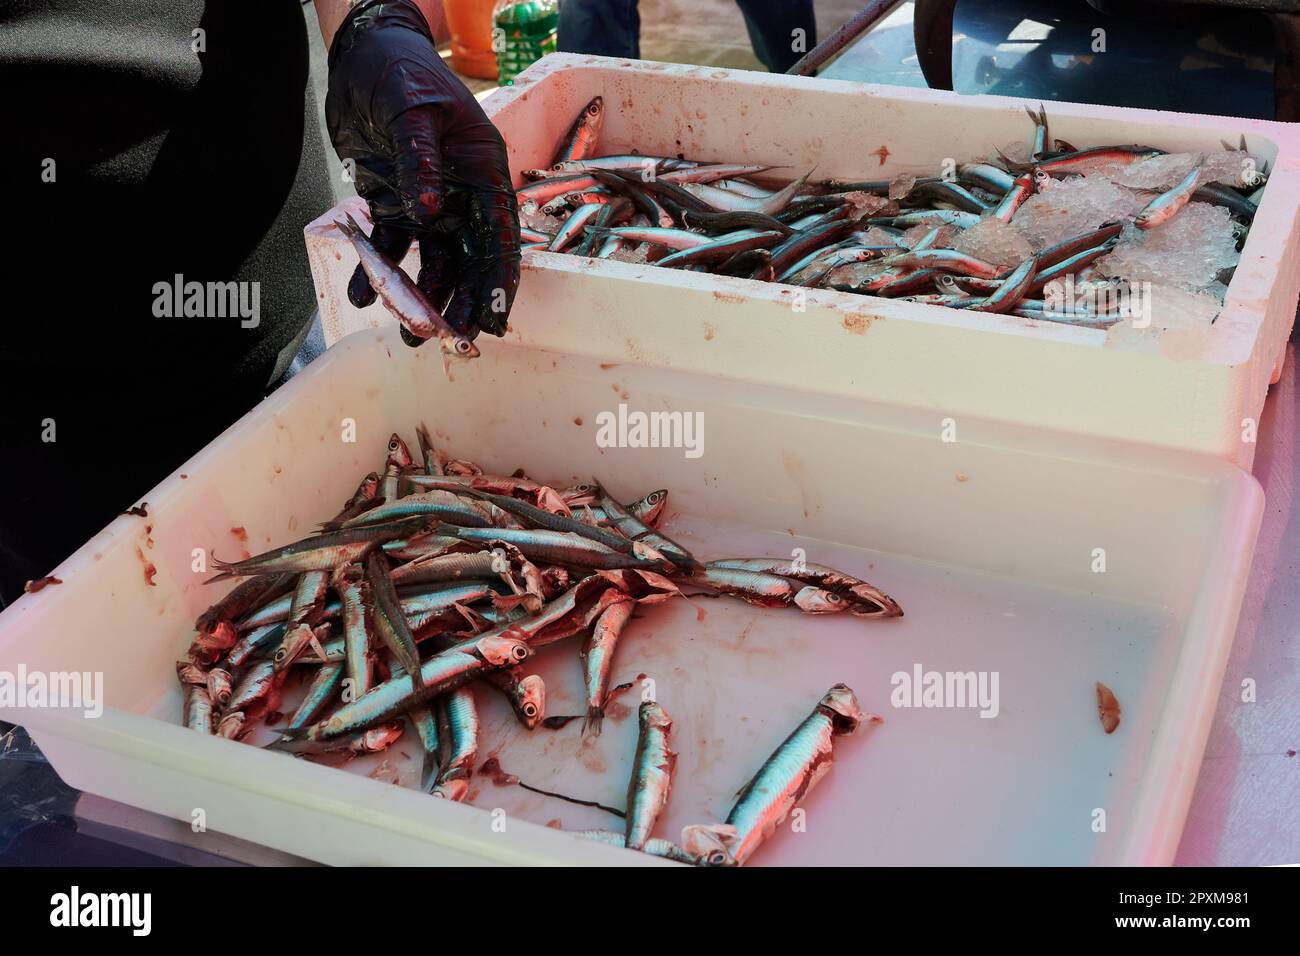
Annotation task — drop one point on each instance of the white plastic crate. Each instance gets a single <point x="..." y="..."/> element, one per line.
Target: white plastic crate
<point x="999" y="367"/>
<point x="989" y="542"/>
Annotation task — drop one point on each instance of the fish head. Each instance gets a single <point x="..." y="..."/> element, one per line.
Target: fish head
<point x="654" y="505"/>
<point x="460" y="346"/>
<point x="455" y="789"/>
<point x="232" y="725"/>
<point x="710" y="843"/>
<point x="398" y="454"/>
<point x="841" y="705"/>
<point x="502" y="651"/>
<point x="652" y="715"/>
<point x="555" y="581"/>
<point x="530" y="701"/>
<point x="378" y="739"/>
<point x="812" y="600"/>
<point x="867" y="601"/>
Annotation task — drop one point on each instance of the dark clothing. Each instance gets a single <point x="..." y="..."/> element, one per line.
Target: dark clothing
<point x="613" y="28"/>
<point x="166" y="161"/>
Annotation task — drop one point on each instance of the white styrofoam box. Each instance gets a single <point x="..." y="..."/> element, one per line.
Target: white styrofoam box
<point x="990" y="542"/>
<point x="944" y="360"/>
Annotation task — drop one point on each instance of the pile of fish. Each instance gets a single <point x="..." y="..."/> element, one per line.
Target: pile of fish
<point x="971" y="238"/>
<point x="437" y="579"/>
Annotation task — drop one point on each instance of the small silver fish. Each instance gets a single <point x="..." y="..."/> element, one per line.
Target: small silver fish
<point x="652" y="774"/>
<point x="401" y="296"/>
<point x="458" y="727"/>
<point x="783" y="781"/>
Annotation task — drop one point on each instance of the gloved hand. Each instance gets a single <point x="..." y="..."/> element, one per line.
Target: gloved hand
<point x="428" y="161"/>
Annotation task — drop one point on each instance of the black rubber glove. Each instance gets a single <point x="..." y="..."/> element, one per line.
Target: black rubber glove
<point x="428" y="161"/>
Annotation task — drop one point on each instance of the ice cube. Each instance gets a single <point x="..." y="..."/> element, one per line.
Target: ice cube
<point x="1165" y="320"/>
<point x="1158" y="172"/>
<point x="1188" y="252"/>
<point x="1232" y="168"/>
<point x="994" y="241"/>
<point x="1073" y="206"/>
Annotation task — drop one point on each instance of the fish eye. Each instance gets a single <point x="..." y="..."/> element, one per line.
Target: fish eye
<point x="717" y="858"/>
<point x="463" y="346"/>
<point x="530" y="710"/>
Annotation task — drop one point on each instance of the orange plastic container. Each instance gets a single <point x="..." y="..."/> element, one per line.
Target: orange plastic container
<point x="470" y="23"/>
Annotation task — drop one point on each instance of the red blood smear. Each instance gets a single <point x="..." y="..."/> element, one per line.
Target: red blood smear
<point x="239" y="533"/>
<point x="492" y="769"/>
<point x="31" y="587"/>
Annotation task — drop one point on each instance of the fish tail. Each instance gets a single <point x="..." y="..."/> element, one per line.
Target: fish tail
<point x="1010" y="165"/>
<point x="593" y="720"/>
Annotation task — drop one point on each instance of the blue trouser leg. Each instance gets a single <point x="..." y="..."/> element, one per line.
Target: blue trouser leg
<point x="771" y="25"/>
<point x="600" y="27"/>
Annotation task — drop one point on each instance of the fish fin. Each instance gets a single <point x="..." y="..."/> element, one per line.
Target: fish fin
<point x="429" y="771"/>
<point x="593" y="719"/>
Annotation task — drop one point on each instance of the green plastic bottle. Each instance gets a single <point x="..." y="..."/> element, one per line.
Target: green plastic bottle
<point x="523" y="31"/>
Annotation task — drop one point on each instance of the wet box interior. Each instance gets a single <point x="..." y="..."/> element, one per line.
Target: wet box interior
<point x="990" y="542"/>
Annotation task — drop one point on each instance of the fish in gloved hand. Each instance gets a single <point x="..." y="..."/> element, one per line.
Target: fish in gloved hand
<point x="431" y="167"/>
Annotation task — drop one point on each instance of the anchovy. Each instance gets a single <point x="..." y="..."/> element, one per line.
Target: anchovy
<point x="1012" y="289"/>
<point x="573" y="226"/>
<point x="359" y="649"/>
<point x="323" y="552"/>
<point x="866" y="599"/>
<point x="950" y="194"/>
<point x="952" y="217"/>
<point x="256" y="685"/>
<point x="458" y="725"/>
<point x="305" y="611"/>
<point x="597" y="658"/>
<point x="652" y="774"/>
<point x="781" y="784"/>
<point x="401" y="296"/>
<point x="1070" y="247"/>
<point x="322" y="691"/>
<point x="246" y="597"/>
<point x="198" y="709"/>
<point x="254" y="642"/>
<point x="527" y="695"/>
<point x="1038" y="142"/>
<point x="721" y="248"/>
<point x="389" y="619"/>
<point x="220" y="684"/>
<point x="372" y="741"/>
<point x="768" y="590"/>
<point x="985" y="176"/>
<point x="635" y="529"/>
<point x="655" y="847"/>
<point x="1165" y="206"/>
<point x="1067" y="266"/>
<point x="445" y="505"/>
<point x="1015" y="197"/>
<point x="443" y="672"/>
<point x="948" y="260"/>
<point x="539" y="193"/>
<point x="1083" y="160"/>
<point x="560" y="547"/>
<point x="580" y="142"/>
<point x="712" y="173"/>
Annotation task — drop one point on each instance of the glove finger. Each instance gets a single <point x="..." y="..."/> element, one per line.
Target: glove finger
<point x="496" y="295"/>
<point x="439" y="259"/>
